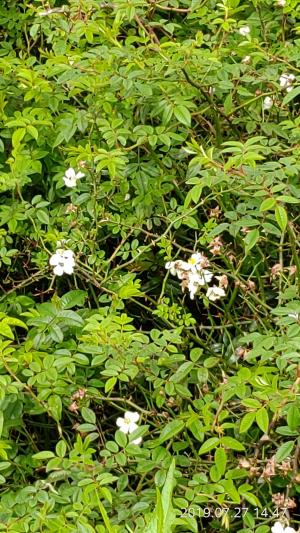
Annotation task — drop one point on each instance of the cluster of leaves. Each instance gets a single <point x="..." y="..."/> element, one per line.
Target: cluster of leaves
<point x="160" y="103"/>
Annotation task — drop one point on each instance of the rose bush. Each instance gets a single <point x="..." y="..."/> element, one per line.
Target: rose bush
<point x="150" y="274"/>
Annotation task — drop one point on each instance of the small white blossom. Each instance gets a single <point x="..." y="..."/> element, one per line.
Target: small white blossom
<point x="215" y="293"/>
<point x="71" y="176"/>
<point x="198" y="262"/>
<point x="267" y="103"/>
<point x="178" y="268"/>
<point x="194" y="282"/>
<point x="128" y="424"/>
<point x="127" y="197"/>
<point x="244" y="31"/>
<point x="63" y="262"/>
<point x="246" y="60"/>
<point x="281" y="3"/>
<point x="204" y="276"/>
<point x="286" y="81"/>
<point x="279" y="528"/>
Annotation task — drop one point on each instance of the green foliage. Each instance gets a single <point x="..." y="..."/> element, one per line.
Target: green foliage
<point x="163" y="107"/>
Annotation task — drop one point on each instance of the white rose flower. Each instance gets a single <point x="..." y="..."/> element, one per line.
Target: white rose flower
<point x="71" y="176"/>
<point x="128" y="424"/>
<point x="279" y="528"/>
<point x="204" y="277"/>
<point x="246" y="60"/>
<point x="215" y="293"/>
<point x="244" y="31"/>
<point x="197" y="260"/>
<point x="63" y="262"/>
<point x="267" y="103"/>
<point x="286" y="81"/>
<point x="178" y="268"/>
<point x="170" y="265"/>
<point x="193" y="284"/>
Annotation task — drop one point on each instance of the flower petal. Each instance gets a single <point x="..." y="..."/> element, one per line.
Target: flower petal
<point x="70" y="173"/>
<point x="79" y="175"/>
<point x="132" y="426"/>
<point x="137" y="441"/>
<point x="54" y="259"/>
<point x="58" y="270"/>
<point x="69" y="182"/>
<point x="68" y="254"/>
<point x="132" y="416"/>
<point x="277" y="528"/>
<point x="68" y="269"/>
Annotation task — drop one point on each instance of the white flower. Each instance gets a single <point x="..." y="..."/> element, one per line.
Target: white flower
<point x="63" y="262"/>
<point x="194" y="282"/>
<point x="267" y="103"/>
<point x="279" y="528"/>
<point x="178" y="268"/>
<point x="286" y="81"/>
<point x="170" y="265"/>
<point x="244" y="31"/>
<point x="281" y="3"/>
<point x="128" y="424"/>
<point x="215" y="293"/>
<point x="204" y="276"/>
<point x="70" y="178"/>
<point x="246" y="60"/>
<point x="127" y="197"/>
<point x="198" y="261"/>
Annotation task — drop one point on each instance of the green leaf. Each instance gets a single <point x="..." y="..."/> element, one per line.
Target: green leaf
<point x="284" y="451"/>
<point x="228" y="104"/>
<point x="191" y="222"/>
<point x="182" y="372"/>
<point x="121" y="438"/>
<point x="43" y="455"/>
<point x="220" y="460"/>
<point x="183" y="115"/>
<point x="247" y="422"/>
<point x="56" y="333"/>
<point x="251" y="239"/>
<point x="18" y="136"/>
<point x="251" y="498"/>
<point x="291" y="95"/>
<point x="167" y="492"/>
<point x="170" y="430"/>
<point x="281" y="217"/>
<point x="55" y="406"/>
<point x="293" y="417"/>
<point x="43" y="217"/>
<point x="75" y="298"/>
<point x="232" y="444"/>
<point x="5" y="330"/>
<point x="88" y="415"/>
<point x="262" y="419"/>
<point x="267" y="204"/>
<point x="208" y="445"/>
<point x="110" y="383"/>
<point x="33" y="132"/>
<point x="231" y="490"/>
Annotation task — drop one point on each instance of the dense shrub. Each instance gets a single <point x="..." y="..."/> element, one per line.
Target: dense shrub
<point x="150" y="274"/>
